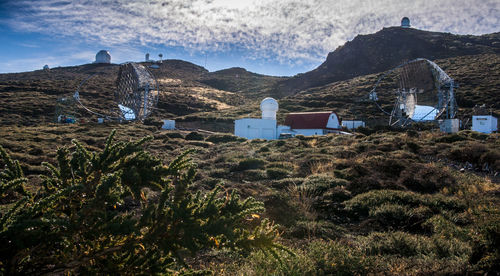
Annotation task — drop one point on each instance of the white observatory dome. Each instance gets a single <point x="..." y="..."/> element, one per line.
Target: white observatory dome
<point x="103" y="56"/>
<point x="269" y="107"/>
<point x="405" y="22"/>
<point x="46" y="67"/>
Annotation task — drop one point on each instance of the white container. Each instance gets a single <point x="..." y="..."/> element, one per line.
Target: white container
<point x="168" y="124"/>
<point x="484" y="123"/>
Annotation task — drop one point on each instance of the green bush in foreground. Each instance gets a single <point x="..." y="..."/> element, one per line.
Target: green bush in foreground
<point x="93" y="215"/>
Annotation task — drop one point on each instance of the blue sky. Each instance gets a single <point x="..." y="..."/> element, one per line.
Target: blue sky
<point x="274" y="37"/>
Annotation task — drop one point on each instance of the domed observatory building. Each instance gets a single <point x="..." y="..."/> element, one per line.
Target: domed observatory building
<point x="264" y="128"/>
<point x="405" y="22"/>
<point x="102" y="56"/>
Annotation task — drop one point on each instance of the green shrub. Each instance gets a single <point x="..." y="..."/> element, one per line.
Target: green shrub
<point x="334" y="258"/>
<point x="264" y="149"/>
<point x="409" y="245"/>
<point x="276" y="173"/>
<point x="219" y="173"/>
<point x="250" y="164"/>
<point x="363" y="203"/>
<point x="283" y="165"/>
<point x="259" y="263"/>
<point x="426" y="178"/>
<point x="286" y="182"/>
<point x="174" y="135"/>
<point x="253" y="175"/>
<point x="451" y="138"/>
<point x="319" y="183"/>
<point x="200" y="144"/>
<point x="224" y="138"/>
<point x="315" y="228"/>
<point x="390" y="214"/>
<point x="92" y="215"/>
<point x="194" y="136"/>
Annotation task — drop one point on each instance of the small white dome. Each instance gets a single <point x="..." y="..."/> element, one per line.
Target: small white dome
<point x="46" y="67"/>
<point x="103" y="56"/>
<point x="269" y="107"/>
<point x="405" y="22"/>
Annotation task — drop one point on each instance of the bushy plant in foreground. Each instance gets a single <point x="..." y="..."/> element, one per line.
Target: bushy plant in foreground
<point x="93" y="215"/>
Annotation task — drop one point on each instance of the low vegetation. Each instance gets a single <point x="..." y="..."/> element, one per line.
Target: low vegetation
<point x="400" y="202"/>
<point x="120" y="210"/>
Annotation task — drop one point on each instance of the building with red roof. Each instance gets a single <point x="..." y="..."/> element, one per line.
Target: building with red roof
<point x="313" y="123"/>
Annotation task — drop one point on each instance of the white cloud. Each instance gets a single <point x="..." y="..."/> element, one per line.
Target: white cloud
<point x="290" y="31"/>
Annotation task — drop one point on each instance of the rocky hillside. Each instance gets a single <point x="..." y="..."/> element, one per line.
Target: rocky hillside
<point x="373" y="53"/>
<point x="478" y="77"/>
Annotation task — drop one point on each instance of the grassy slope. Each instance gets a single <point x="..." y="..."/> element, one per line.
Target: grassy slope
<point x="478" y="77"/>
<point x="327" y="187"/>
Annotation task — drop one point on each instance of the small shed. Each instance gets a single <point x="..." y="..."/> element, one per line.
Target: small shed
<point x="168" y="124"/>
<point x="484" y="123"/>
<point x="313" y="123"/>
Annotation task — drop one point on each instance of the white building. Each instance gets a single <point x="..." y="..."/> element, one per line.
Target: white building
<point x="102" y="56"/>
<point x="313" y="123"/>
<point x="352" y="124"/>
<point x="484" y="123"/>
<point x="255" y="128"/>
<point x="308" y="123"/>
<point x="264" y="128"/>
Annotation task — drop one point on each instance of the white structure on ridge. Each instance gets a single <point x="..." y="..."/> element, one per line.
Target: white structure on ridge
<point x="147" y="57"/>
<point x="405" y="22"/>
<point x="484" y="123"/>
<point x="102" y="56"/>
<point x="46" y="67"/>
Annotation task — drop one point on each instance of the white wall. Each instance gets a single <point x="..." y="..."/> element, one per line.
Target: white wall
<point x="283" y="129"/>
<point x="484" y="123"/>
<point x="333" y="121"/>
<point x="308" y="132"/>
<point x="353" y="124"/>
<point x="255" y="128"/>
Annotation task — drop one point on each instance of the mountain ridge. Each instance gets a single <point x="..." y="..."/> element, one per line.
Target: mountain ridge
<point x="385" y="49"/>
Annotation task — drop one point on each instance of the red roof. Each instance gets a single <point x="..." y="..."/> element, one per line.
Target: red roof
<point x="309" y="120"/>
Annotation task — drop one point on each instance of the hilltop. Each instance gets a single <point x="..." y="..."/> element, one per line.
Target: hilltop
<point x="385" y="49"/>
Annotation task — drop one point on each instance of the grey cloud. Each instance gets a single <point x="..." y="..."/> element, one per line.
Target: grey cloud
<point x="287" y="30"/>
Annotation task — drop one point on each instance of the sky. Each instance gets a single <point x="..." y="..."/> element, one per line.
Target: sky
<point x="272" y="37"/>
